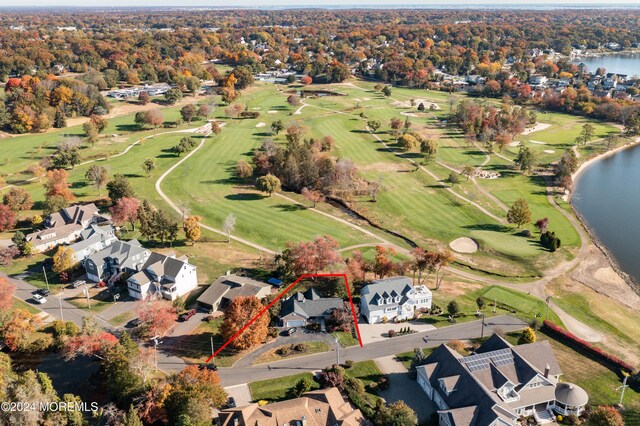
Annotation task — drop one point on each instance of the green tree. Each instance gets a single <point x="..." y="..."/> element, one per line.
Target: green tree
<point x="268" y="183"/>
<point x="374" y="125"/>
<point x="98" y="176"/>
<point x="453" y="308"/>
<point x="148" y="166"/>
<point x="172" y="96"/>
<point x="301" y="387"/>
<point x="519" y="213"/>
<point x="59" y="120"/>
<point x="429" y="147"/>
<point x="119" y="187"/>
<point x="526" y="159"/>
<point x="586" y="134"/>
<point x="277" y="126"/>
<point x="386" y="91"/>
<point x="132" y="418"/>
<point x="396" y="414"/>
<point x="480" y="303"/>
<point x="188" y="113"/>
<point x="454" y="178"/>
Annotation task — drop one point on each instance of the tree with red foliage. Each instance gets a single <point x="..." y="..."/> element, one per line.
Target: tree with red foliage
<point x="7" y="218"/>
<point x="6" y="295"/>
<point x="306" y="80"/>
<point x="57" y="184"/>
<point x="239" y="312"/>
<point x="312" y="257"/>
<point x="157" y="316"/>
<point x="606" y="416"/>
<point x="125" y="210"/>
<point x="312" y="195"/>
<point x="357" y="267"/>
<point x="343" y="318"/>
<point x="88" y="344"/>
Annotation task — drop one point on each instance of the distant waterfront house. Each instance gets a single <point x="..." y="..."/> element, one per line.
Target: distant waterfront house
<point x="64" y="226"/>
<point x="393" y="298"/>
<point x="119" y="257"/>
<point x="227" y="287"/>
<point x="308" y="307"/>
<point x="325" y="407"/>
<point x="165" y="276"/>
<point x="498" y="384"/>
<point x="92" y="240"/>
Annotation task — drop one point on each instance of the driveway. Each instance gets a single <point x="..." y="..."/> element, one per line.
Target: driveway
<point x="371" y="333"/>
<point x="240" y="393"/>
<point x="404" y="388"/>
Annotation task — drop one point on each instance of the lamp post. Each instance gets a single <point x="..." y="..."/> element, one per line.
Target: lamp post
<point x="337" y="351"/>
<point x="548" y="299"/>
<point x="482" y="331"/>
<point x="44" y="271"/>
<point x="60" y="304"/>
<point x="156" y="342"/>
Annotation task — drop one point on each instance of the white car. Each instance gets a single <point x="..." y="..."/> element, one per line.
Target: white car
<point x="39" y="299"/>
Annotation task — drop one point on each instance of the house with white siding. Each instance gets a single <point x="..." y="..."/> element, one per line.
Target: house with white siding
<point x="394" y="299"/>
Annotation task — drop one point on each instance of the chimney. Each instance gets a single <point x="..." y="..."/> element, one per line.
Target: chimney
<point x="547" y="368"/>
<point x="304" y="420"/>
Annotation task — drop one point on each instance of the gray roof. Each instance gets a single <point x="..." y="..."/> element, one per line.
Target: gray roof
<point x="370" y="294"/>
<point x="230" y="286"/>
<point x="310" y="304"/>
<point x="124" y="251"/>
<point x="93" y="235"/>
<point x="476" y="379"/>
<point x="74" y="214"/>
<point x="53" y="234"/>
<point x="159" y="267"/>
<point x="570" y="394"/>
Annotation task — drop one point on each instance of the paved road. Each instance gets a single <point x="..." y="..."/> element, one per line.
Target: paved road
<point x="52" y="307"/>
<point x="236" y="376"/>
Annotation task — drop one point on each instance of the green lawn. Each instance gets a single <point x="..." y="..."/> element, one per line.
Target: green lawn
<point x="272" y="356"/>
<point x="367" y="371"/>
<point x="276" y="389"/>
<point x="345" y="339"/>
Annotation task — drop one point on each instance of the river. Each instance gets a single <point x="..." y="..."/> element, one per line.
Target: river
<point x="607" y="195"/>
<point x="621" y="63"/>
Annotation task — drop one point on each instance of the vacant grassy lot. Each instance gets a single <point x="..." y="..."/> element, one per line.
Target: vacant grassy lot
<point x="272" y="355"/>
<point x="276" y="389"/>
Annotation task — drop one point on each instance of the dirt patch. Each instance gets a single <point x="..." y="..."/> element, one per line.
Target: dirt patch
<point x="464" y="245"/>
<point x="458" y="288"/>
<point x="385" y="167"/>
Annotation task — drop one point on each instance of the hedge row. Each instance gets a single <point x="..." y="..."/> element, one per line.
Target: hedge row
<point x="594" y="350"/>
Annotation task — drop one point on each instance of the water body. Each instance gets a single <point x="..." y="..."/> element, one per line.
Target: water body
<point x="621" y="63"/>
<point x="607" y="195"/>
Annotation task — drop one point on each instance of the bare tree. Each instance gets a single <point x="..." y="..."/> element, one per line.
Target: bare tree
<point x="229" y="225"/>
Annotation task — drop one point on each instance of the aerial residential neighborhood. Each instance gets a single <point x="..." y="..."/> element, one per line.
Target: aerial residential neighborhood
<point x="263" y="214"/>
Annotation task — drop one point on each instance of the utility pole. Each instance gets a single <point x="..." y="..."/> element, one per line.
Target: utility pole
<point x="337" y="351"/>
<point x="44" y="271"/>
<point x="482" y="332"/>
<point x="155" y="349"/>
<point x="86" y="293"/>
<point x="548" y="299"/>
<point x="60" y="303"/>
<point x="212" y="347"/>
<point x="495" y="304"/>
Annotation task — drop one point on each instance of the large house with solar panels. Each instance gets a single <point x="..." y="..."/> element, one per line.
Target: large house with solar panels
<point x="498" y="385"/>
<point x="394" y="299"/>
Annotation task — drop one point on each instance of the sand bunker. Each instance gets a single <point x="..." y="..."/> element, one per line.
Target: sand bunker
<point x="261" y="124"/>
<point x="428" y="105"/>
<point x="536" y="128"/>
<point x="357" y="100"/>
<point x="464" y="245"/>
<point x="538" y="142"/>
<point x="272" y="112"/>
<point x="548" y="151"/>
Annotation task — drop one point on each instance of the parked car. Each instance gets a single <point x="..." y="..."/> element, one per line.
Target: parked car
<point x="78" y="283"/>
<point x="290" y="331"/>
<point x="43" y="292"/>
<point x="39" y="299"/>
<point x="208" y="366"/>
<point x="186" y="315"/>
<point x="134" y="323"/>
<point x="231" y="403"/>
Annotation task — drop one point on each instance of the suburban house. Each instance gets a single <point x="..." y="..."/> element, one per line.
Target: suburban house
<point x="92" y="240"/>
<point x="64" y="226"/>
<point x="165" y="276"/>
<point x="119" y="257"/>
<point x="325" y="407"/>
<point x="498" y="384"/>
<point x="394" y="299"/>
<point x="308" y="307"/>
<point x="227" y="287"/>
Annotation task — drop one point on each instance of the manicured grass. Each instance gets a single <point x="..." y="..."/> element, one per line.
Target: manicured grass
<point x="121" y="318"/>
<point x="20" y="304"/>
<point x="276" y="389"/>
<point x="345" y="339"/>
<point x="272" y="356"/>
<point x="367" y="371"/>
<point x="407" y="357"/>
<point x="100" y="299"/>
<point x="196" y="347"/>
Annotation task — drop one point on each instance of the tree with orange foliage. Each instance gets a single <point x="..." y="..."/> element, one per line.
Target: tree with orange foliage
<point x="88" y="345"/>
<point x="194" y="393"/>
<point x="6" y="294"/>
<point x="306" y="80"/>
<point x="157" y="316"/>
<point x="125" y="210"/>
<point x="239" y="312"/>
<point x="17" y="330"/>
<point x="7" y="218"/>
<point x="57" y="184"/>
<point x="606" y="416"/>
<point x="383" y="263"/>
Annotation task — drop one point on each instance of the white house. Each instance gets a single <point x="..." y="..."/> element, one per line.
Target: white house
<point x="164" y="276"/>
<point x="393" y="298"/>
<point x="115" y="259"/>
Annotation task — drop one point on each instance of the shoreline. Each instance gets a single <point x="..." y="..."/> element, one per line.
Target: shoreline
<point x="596" y="54"/>
<point x="631" y="282"/>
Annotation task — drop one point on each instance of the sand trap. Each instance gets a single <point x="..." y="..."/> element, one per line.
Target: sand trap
<point x="608" y="275"/>
<point x="538" y="142"/>
<point x="256" y="108"/>
<point x="514" y="143"/>
<point x="261" y="124"/>
<point x="548" y="151"/>
<point x="428" y="105"/>
<point x="536" y="128"/>
<point x="272" y="112"/>
<point x="367" y="99"/>
<point x="464" y="245"/>
<point x="357" y="100"/>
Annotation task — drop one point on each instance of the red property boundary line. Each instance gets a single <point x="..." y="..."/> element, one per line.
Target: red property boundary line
<point x="289" y="287"/>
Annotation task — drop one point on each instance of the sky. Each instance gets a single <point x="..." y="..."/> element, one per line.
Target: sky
<point x="300" y="3"/>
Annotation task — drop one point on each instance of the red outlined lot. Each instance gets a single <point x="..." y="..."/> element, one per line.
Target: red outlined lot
<point x="289" y="287"/>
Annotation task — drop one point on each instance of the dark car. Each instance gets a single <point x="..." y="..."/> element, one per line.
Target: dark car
<point x="43" y="292"/>
<point x="208" y="366"/>
<point x="134" y="323"/>
<point x="78" y="283"/>
<point x="290" y="331"/>
<point x="231" y="403"/>
<point x="186" y="315"/>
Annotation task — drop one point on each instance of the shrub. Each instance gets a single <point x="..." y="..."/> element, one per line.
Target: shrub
<point x="383" y="383"/>
<point x="300" y="347"/>
<point x="392" y="333"/>
<point x="526" y="233"/>
<point x="283" y="351"/>
<point x="385" y="320"/>
<point x="457" y="345"/>
<point x="249" y="114"/>
<point x="354" y="384"/>
<point x="348" y="363"/>
<point x="572" y="419"/>
<point x="588" y="346"/>
<point x="273" y="332"/>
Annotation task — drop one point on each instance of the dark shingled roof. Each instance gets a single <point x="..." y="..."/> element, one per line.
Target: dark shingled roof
<point x="309" y="305"/>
